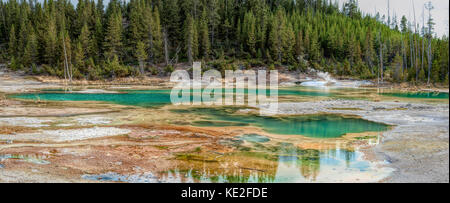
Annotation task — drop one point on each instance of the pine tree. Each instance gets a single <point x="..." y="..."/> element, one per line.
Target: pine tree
<point x="12" y="42"/>
<point x="314" y="32"/>
<point x="141" y="55"/>
<point x="397" y="65"/>
<point x="23" y="34"/>
<point x="86" y="42"/>
<point x="204" y="35"/>
<point x="78" y="56"/>
<point x="250" y="32"/>
<point x="156" y="50"/>
<point x="31" y="50"/>
<point x="99" y="34"/>
<point x="351" y="8"/>
<point x="190" y="39"/>
<point x="238" y="35"/>
<point x="404" y="24"/>
<point x="226" y="28"/>
<point x="276" y="36"/>
<point x="299" y="45"/>
<point x="213" y="18"/>
<point x="113" y="38"/>
<point x="368" y="49"/>
<point x="137" y="27"/>
<point x="314" y="49"/>
<point x="50" y="42"/>
<point x="171" y="21"/>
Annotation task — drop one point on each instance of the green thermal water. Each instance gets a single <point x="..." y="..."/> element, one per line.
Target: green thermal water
<point x="159" y="97"/>
<point x="288" y="166"/>
<point x="156" y="98"/>
<point x="143" y="98"/>
<point x="317" y="126"/>
<point x="418" y="95"/>
<point x="254" y="138"/>
<point x="287" y="91"/>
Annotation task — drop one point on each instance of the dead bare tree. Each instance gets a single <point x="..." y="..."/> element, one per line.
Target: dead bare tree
<point x="403" y="53"/>
<point x="411" y="50"/>
<point x="389" y="14"/>
<point x="166" y="46"/>
<point x="415" y="39"/>
<point x="380" y="71"/>
<point x="66" y="63"/>
<point x="429" y="6"/>
<point x="423" y="35"/>
<point x="175" y="58"/>
<point x="150" y="44"/>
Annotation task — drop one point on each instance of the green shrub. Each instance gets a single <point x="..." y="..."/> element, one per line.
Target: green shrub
<point x="366" y="74"/>
<point x="115" y="69"/>
<point x="95" y="73"/>
<point x="14" y="65"/>
<point x="247" y="65"/>
<point x="256" y="63"/>
<point x="121" y="71"/>
<point x="272" y="67"/>
<point x="153" y="70"/>
<point x="292" y="68"/>
<point x="77" y="74"/>
<point x="422" y="76"/>
<point x="411" y="74"/>
<point x="169" y="69"/>
<point x="48" y="70"/>
<point x="34" y="69"/>
<point x="318" y="67"/>
<point x="303" y="66"/>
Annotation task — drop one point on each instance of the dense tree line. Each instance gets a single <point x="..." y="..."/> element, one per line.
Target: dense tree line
<point x="93" y="41"/>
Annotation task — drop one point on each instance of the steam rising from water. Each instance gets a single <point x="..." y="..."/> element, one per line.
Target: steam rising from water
<point x="325" y="80"/>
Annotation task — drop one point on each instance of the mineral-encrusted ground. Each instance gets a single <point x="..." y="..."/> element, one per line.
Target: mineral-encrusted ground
<point x="77" y="142"/>
<point x="417" y="146"/>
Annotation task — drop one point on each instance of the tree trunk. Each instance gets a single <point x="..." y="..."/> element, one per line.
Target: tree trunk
<point x="430" y="60"/>
<point x="430" y="39"/>
<point x="381" y="62"/>
<point x="150" y="42"/>
<point x="166" y="46"/>
<point x="411" y="56"/>
<point x="66" y="64"/>
<point x="189" y="51"/>
<point x="380" y="71"/>
<point x="403" y="53"/>
<point x="141" y="67"/>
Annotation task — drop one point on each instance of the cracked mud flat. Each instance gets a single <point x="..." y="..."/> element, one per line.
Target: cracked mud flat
<point x="418" y="145"/>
